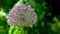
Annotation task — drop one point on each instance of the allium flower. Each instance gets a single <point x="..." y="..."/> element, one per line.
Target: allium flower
<point x="22" y="15"/>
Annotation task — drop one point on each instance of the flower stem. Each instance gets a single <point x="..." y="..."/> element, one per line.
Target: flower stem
<point x="21" y="1"/>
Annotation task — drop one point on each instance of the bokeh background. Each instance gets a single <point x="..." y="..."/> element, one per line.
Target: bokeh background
<point x="47" y="12"/>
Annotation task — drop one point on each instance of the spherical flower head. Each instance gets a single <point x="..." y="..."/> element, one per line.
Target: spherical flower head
<point x="22" y="15"/>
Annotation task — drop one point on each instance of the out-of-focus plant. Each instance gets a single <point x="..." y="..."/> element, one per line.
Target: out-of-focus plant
<point x="48" y="19"/>
<point x="3" y="22"/>
<point x="21" y="15"/>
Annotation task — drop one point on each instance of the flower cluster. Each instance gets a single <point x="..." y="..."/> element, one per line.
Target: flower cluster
<point x="22" y="15"/>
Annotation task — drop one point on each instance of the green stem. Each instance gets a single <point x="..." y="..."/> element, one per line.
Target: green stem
<point x="19" y="30"/>
<point x="21" y="1"/>
<point x="11" y="28"/>
<point x="22" y="30"/>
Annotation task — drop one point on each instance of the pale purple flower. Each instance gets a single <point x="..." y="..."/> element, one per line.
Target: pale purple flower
<point x="22" y="15"/>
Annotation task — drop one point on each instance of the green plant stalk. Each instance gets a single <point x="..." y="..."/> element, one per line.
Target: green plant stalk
<point x="19" y="30"/>
<point x="21" y="1"/>
<point x="10" y="30"/>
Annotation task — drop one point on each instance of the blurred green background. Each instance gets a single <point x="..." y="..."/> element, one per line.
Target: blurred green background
<point x="48" y="17"/>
